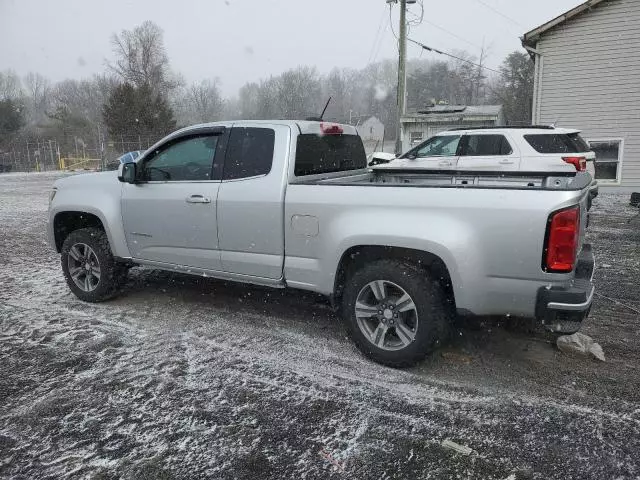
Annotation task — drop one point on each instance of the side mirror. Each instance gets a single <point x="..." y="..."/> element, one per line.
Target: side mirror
<point x="127" y="172"/>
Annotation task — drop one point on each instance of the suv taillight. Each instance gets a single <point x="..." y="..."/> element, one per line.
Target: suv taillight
<point x="579" y="162"/>
<point x="561" y="245"/>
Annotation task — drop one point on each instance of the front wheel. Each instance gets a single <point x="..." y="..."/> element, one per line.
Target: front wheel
<point x="395" y="312"/>
<point x="88" y="265"/>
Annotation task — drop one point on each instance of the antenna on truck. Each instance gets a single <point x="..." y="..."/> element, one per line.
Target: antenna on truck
<point x="325" y="108"/>
<point x="320" y="118"/>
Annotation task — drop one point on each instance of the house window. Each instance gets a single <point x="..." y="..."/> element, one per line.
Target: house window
<point x="416" y="137"/>
<point x="608" y="158"/>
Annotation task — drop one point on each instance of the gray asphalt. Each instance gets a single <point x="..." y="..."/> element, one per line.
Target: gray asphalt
<point x="184" y="377"/>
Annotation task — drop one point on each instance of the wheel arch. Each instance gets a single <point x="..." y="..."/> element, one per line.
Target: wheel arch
<point x="359" y="255"/>
<point x="69" y="221"/>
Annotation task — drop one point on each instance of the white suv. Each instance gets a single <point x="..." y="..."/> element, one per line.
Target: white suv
<point x="526" y="149"/>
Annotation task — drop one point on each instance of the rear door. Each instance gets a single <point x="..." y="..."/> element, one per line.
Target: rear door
<point x="251" y="201"/>
<point x="490" y="151"/>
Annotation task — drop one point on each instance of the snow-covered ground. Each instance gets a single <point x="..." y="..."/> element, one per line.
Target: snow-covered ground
<point x="185" y="377"/>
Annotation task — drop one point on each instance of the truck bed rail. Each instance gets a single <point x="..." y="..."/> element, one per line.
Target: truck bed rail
<point x="563" y="181"/>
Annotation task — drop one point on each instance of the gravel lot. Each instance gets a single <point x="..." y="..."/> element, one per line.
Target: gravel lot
<point x="185" y="377"/>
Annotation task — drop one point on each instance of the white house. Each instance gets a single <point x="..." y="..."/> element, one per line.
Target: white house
<point x="371" y="130"/>
<point x="587" y="76"/>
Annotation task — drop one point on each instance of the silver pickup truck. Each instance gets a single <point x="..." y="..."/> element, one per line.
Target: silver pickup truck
<point x="292" y="204"/>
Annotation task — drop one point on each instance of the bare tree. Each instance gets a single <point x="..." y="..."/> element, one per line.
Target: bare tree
<point x="141" y="58"/>
<point x="206" y="101"/>
<point x="76" y="108"/>
<point x="10" y="86"/>
<point x="198" y="103"/>
<point x="299" y="93"/>
<point x="480" y="78"/>
<point x="38" y="89"/>
<point x="248" y="97"/>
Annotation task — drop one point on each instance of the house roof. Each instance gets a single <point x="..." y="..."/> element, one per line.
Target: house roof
<point x="530" y="38"/>
<point x="461" y="110"/>
<point x="453" y="113"/>
<point x="443" y="109"/>
<point x="371" y="119"/>
<point x="483" y="110"/>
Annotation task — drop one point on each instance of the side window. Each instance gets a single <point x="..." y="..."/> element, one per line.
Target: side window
<point x="250" y="153"/>
<point x="608" y="158"/>
<point x="442" y="146"/>
<point x="486" y="145"/>
<point x="188" y="159"/>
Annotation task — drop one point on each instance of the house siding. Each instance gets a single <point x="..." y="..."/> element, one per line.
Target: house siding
<point x="589" y="78"/>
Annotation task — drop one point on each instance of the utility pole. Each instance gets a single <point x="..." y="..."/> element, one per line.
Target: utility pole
<point x="402" y="71"/>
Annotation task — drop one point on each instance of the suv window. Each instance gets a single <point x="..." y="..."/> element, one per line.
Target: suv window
<point x="250" y="153"/>
<point x="485" y="145"/>
<point x="186" y="159"/>
<point x="557" y="143"/>
<point x="441" y="146"/>
<point x="317" y="154"/>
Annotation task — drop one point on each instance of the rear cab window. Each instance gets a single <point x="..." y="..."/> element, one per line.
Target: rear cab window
<point x="550" y="143"/>
<point x="329" y="153"/>
<point x="250" y="153"/>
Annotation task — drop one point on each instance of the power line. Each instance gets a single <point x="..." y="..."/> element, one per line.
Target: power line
<point x="417" y="18"/>
<point x="391" y="21"/>
<point x="377" y="39"/>
<point x="498" y="12"/>
<point x="384" y="32"/>
<point x="434" y="50"/>
<point x="424" y="20"/>
<point x="451" y="33"/>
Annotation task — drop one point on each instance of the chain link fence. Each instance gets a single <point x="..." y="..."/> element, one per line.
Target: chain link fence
<point x="46" y="154"/>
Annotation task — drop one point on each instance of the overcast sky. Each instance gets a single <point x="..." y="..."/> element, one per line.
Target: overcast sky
<point x="245" y="40"/>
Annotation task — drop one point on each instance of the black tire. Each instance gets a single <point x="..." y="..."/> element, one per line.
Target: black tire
<point x="112" y="274"/>
<point x="433" y="312"/>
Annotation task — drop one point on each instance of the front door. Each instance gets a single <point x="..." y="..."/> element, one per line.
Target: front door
<point x="170" y="215"/>
<point x="489" y="152"/>
<point x="439" y="152"/>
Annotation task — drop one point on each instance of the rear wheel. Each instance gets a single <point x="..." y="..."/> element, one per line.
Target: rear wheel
<point x="395" y="312"/>
<point x="88" y="265"/>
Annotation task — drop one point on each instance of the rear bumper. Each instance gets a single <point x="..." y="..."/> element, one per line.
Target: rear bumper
<point x="562" y="309"/>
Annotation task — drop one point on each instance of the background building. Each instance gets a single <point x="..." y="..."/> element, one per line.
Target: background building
<point x="418" y="126"/>
<point x="587" y="76"/>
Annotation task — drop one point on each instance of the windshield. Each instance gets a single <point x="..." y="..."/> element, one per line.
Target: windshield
<point x="328" y="153"/>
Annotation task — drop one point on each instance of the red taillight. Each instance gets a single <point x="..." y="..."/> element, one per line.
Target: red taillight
<point x="563" y="234"/>
<point x="579" y="162"/>
<point x="331" y="129"/>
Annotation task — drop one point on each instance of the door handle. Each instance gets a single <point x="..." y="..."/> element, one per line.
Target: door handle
<point x="198" y="199"/>
<point x="445" y="163"/>
<point x="507" y="162"/>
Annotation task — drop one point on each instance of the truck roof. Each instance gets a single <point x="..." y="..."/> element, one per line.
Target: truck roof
<point x="303" y="126"/>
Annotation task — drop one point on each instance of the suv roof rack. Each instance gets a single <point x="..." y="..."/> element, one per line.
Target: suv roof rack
<point x="538" y="127"/>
